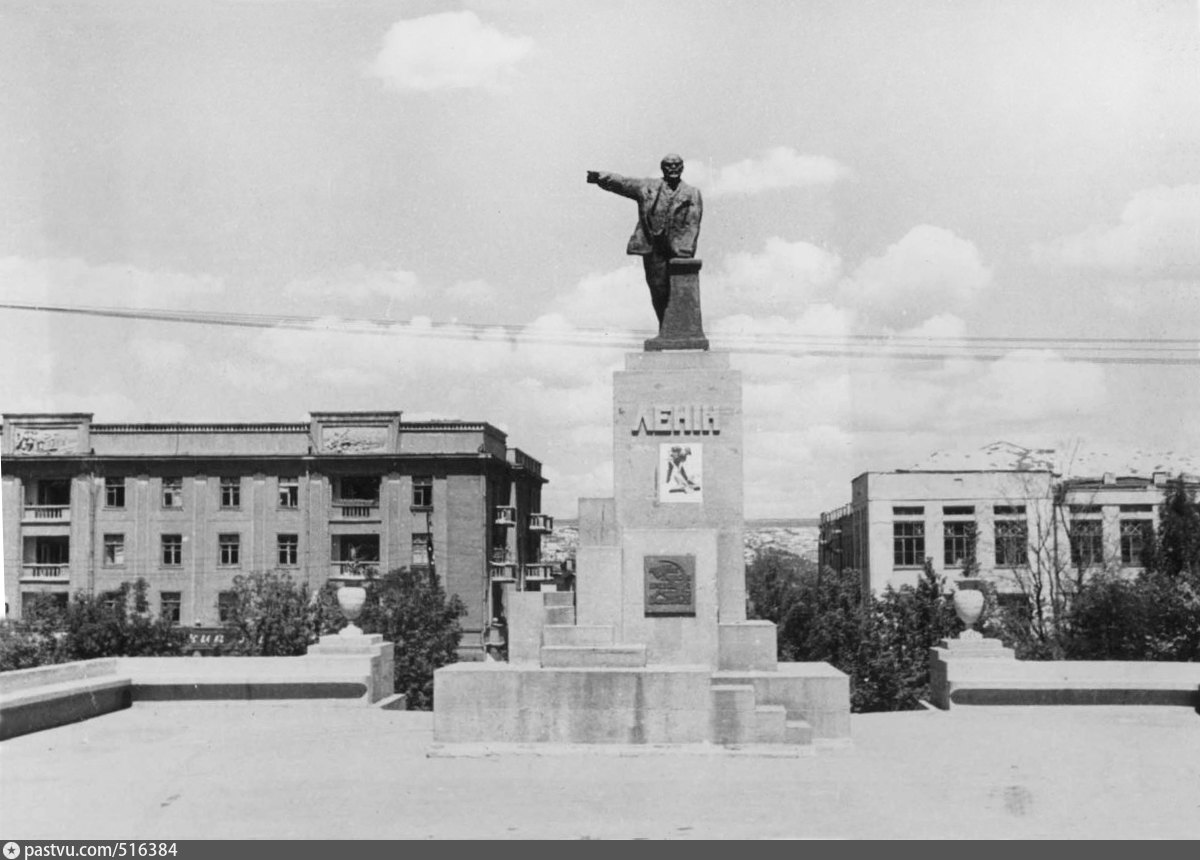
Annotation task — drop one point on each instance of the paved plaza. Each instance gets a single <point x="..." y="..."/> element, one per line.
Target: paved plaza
<point x="315" y="770"/>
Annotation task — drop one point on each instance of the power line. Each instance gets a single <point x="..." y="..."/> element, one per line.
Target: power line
<point x="1132" y="351"/>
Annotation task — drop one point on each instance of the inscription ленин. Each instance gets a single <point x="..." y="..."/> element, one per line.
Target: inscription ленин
<point x="687" y="419"/>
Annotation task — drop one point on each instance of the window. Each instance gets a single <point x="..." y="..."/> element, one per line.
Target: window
<point x="1012" y="539"/>
<point x="289" y="492"/>
<point x="172" y="550"/>
<point x="908" y="543"/>
<point x="171" y="603"/>
<point x="422" y="548"/>
<point x="114" y="492"/>
<point x="958" y="542"/>
<point x="909" y="512"/>
<point x="226" y="606"/>
<point x="172" y="492"/>
<point x="959" y="510"/>
<point x="289" y="549"/>
<point x="359" y="489"/>
<point x="422" y="491"/>
<point x="229" y="549"/>
<point x="1135" y="535"/>
<point x="114" y="550"/>
<point x="231" y="492"/>
<point x="1087" y="543"/>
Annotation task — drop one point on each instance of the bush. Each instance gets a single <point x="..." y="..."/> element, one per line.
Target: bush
<point x="272" y="615"/>
<point x="410" y="608"/>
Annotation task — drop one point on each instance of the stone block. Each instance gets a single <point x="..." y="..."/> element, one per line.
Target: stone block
<point x="526" y="615"/>
<point x="593" y="656"/>
<point x="733" y="717"/>
<point x="747" y="645"/>
<point x="558" y="614"/>
<point x="598" y="523"/>
<point x="598" y="585"/>
<point x="558" y="598"/>
<point x="770" y="724"/>
<point x="798" y="732"/>
<point x="577" y="634"/>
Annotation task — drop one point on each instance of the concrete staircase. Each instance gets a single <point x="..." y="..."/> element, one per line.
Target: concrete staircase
<point x="567" y="645"/>
<point x="737" y="716"/>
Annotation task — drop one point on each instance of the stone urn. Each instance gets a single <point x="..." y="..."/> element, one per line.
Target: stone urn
<point x="351" y="595"/>
<point x="968" y="605"/>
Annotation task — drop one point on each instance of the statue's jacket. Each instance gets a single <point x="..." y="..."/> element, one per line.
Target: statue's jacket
<point x="678" y="230"/>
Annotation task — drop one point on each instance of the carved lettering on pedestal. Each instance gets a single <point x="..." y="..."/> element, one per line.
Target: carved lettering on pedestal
<point x="678" y="419"/>
<point x="670" y="585"/>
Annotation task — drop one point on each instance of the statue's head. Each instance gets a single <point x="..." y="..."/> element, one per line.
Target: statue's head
<point x="672" y="167"/>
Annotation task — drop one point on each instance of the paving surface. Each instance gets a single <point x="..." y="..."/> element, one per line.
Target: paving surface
<point x="311" y="770"/>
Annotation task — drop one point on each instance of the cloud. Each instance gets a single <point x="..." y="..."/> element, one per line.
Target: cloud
<point x="1028" y="385"/>
<point x="448" y="50"/>
<point x="356" y="288"/>
<point x="780" y="167"/>
<point x="783" y="276"/>
<point x="928" y="272"/>
<point x="1158" y="235"/>
<point x="617" y="301"/>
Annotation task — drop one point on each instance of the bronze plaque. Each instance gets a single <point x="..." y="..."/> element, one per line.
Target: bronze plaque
<point x="670" y="584"/>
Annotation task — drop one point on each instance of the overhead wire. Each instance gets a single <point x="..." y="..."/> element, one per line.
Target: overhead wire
<point x="1126" y="350"/>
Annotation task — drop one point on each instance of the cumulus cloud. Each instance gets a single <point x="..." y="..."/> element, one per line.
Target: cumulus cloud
<point x="1035" y="384"/>
<point x="928" y="272"/>
<point x="780" y="167"/>
<point x="1158" y="235"/>
<point x="74" y="281"/>
<point x="616" y="300"/>
<point x="447" y="50"/>
<point x="782" y="276"/>
<point x="356" y="288"/>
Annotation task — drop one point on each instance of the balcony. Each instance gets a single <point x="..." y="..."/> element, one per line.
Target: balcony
<point x="340" y="569"/>
<point x="355" y="510"/>
<point x="506" y="515"/>
<point x="47" y="513"/>
<point x="541" y="571"/>
<point x="46" y="573"/>
<point x="541" y="523"/>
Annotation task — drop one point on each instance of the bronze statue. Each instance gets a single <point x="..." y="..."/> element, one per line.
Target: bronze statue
<point x="669" y="212"/>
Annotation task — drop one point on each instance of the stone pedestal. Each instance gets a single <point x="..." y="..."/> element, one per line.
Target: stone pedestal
<point x="951" y="660"/>
<point x="370" y="651"/>
<point x="656" y="648"/>
<point x="682" y="327"/>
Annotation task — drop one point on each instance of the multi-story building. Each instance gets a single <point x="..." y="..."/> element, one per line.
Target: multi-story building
<point x="189" y="506"/>
<point x="1008" y="509"/>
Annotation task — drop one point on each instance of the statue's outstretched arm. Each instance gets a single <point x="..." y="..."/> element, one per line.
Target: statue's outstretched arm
<point x="616" y="183"/>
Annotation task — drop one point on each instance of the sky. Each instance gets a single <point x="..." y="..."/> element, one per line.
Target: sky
<point x="1009" y="189"/>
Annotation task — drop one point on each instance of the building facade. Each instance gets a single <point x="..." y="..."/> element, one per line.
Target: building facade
<point x="1011" y="512"/>
<point x="188" y="507"/>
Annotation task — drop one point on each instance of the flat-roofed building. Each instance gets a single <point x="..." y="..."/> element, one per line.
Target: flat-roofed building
<point x="1011" y="507"/>
<point x="189" y="506"/>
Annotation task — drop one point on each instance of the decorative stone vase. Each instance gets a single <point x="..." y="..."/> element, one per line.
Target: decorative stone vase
<point x="968" y="605"/>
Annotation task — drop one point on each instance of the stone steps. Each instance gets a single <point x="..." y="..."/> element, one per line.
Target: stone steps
<point x="593" y="656"/>
<point x="797" y="732"/>
<point x="577" y="634"/>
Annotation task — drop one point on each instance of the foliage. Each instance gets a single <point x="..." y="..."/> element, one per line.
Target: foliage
<point x="271" y="614"/>
<point x="34" y="640"/>
<point x="881" y="642"/>
<point x="118" y="623"/>
<point x="411" y="609"/>
<point x="112" y="624"/>
<point x="1175" y="549"/>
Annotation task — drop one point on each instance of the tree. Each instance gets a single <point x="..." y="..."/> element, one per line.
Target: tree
<point x="271" y="615"/>
<point x="773" y="581"/>
<point x="410" y="608"/>
<point x="1175" y="548"/>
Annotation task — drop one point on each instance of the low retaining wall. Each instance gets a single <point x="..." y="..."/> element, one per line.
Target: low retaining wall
<point x="965" y="680"/>
<point x="50" y="696"/>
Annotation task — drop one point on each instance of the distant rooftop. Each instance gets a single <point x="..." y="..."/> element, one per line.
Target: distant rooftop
<point x="1075" y="463"/>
